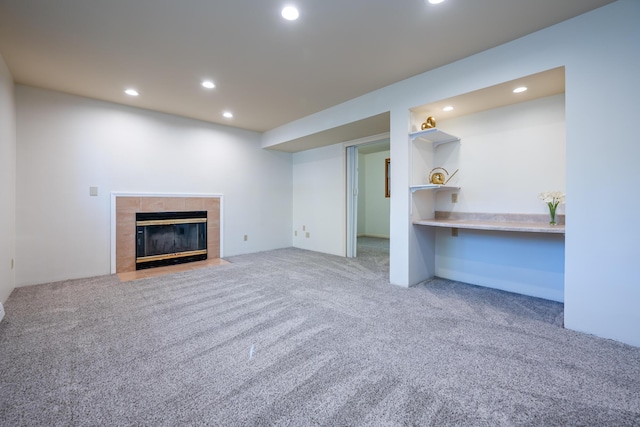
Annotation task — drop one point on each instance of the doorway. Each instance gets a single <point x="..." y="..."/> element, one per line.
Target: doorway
<point x="368" y="201"/>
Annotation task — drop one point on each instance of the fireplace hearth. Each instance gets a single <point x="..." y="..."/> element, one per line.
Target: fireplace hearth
<point x="167" y="238"/>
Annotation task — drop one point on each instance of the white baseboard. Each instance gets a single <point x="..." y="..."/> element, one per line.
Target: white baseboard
<point x="1" y="312"/>
<point x="379" y="236"/>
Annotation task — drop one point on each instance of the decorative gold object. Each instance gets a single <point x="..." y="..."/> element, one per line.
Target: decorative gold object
<point x="429" y="123"/>
<point x="439" y="178"/>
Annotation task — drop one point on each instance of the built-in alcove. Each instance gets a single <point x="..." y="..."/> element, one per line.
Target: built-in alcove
<point x="508" y="148"/>
<point x="124" y="229"/>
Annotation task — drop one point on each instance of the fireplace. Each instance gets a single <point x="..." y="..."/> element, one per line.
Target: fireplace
<point x="167" y="238"/>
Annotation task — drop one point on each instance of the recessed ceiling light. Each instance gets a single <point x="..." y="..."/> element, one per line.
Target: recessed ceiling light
<point x="447" y="108"/>
<point x="228" y="114"/>
<point x="131" y="92"/>
<point x="520" y="89"/>
<point x="435" y="1"/>
<point x="208" y="84"/>
<point x="290" y="13"/>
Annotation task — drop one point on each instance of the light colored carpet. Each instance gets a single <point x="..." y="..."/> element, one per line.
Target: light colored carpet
<point x="366" y="242"/>
<point x="291" y="337"/>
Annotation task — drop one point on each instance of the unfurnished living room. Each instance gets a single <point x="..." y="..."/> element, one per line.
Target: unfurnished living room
<point x="380" y="213"/>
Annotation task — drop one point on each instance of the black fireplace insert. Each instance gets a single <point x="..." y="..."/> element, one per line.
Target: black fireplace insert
<point x="167" y="238"/>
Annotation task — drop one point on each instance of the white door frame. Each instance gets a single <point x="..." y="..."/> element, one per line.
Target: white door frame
<point x="352" y="201"/>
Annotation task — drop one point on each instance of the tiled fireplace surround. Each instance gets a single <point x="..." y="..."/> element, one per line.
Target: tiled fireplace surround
<point x="125" y="207"/>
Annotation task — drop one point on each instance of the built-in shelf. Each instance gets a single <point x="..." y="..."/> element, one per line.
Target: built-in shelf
<point x="434" y="135"/>
<point x="533" y="223"/>
<point x="435" y="187"/>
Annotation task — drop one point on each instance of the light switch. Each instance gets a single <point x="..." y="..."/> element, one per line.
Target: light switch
<point x="93" y="191"/>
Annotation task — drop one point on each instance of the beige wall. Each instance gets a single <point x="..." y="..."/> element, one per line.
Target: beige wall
<point x="7" y="182"/>
<point x="376" y="204"/>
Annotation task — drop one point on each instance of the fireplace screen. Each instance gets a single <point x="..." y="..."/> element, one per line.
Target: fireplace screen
<point x="165" y="238"/>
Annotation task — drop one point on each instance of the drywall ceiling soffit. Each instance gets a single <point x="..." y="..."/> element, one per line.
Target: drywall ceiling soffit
<point x="539" y="85"/>
<point x="268" y="71"/>
<point x="364" y="128"/>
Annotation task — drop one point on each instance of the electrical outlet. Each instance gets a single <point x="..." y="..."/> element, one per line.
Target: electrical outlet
<point x="295" y="233"/>
<point x="93" y="191"/>
<point x="246" y="237"/>
<point x="454" y="198"/>
<point x="304" y="228"/>
<point x="307" y="235"/>
<point x="12" y="263"/>
<point x="454" y="232"/>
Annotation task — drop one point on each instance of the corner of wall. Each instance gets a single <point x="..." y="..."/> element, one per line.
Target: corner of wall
<point x="7" y="181"/>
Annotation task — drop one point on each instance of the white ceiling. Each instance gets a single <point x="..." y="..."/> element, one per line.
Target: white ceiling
<point x="268" y="71"/>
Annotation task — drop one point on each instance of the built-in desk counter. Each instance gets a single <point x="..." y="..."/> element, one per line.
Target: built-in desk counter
<point x="526" y="223"/>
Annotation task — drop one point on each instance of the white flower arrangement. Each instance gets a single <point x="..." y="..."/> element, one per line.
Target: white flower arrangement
<point x="552" y="199"/>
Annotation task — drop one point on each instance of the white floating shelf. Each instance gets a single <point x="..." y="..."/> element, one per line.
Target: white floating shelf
<point x="434" y="136"/>
<point x="436" y="187"/>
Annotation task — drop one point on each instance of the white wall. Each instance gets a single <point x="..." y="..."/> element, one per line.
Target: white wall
<point x="319" y="205"/>
<point x="507" y="156"/>
<point x="376" y="205"/>
<point x="602" y="287"/>
<point x="7" y="181"/>
<point x="602" y="62"/>
<point x="67" y="144"/>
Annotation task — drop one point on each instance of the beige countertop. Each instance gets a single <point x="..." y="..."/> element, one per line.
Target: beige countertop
<point x="530" y="223"/>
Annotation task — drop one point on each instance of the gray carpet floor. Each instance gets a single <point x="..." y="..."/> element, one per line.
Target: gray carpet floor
<point x="365" y="243"/>
<point x="295" y="338"/>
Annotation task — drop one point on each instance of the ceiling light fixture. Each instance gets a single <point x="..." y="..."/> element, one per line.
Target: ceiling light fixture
<point x="435" y="1"/>
<point x="131" y="92"/>
<point x="447" y="108"/>
<point x="208" y="84"/>
<point x="290" y="13"/>
<point x="228" y="114"/>
<point x="520" y="89"/>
